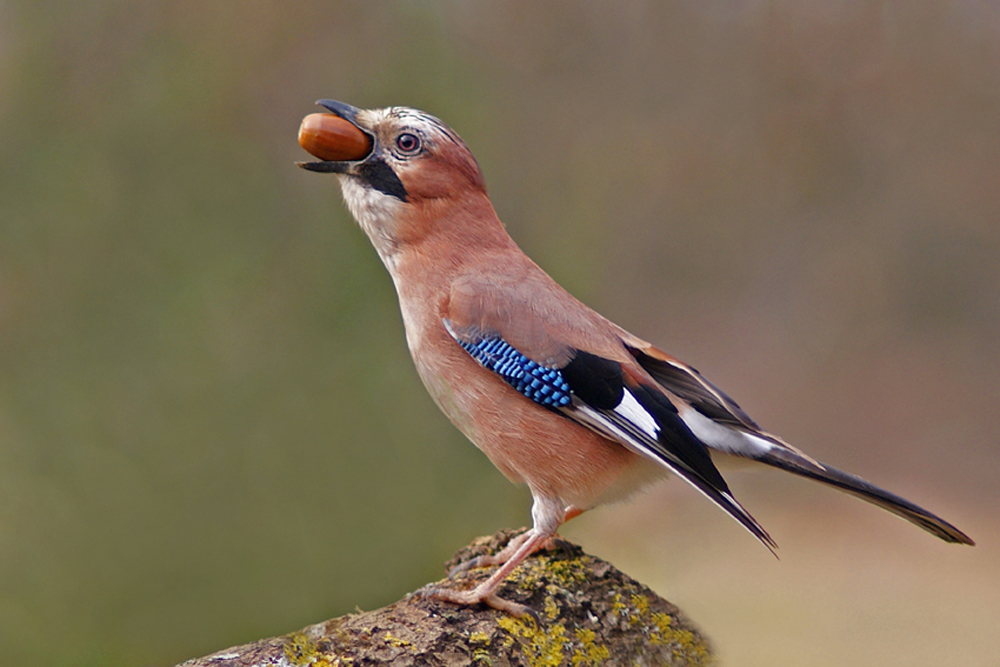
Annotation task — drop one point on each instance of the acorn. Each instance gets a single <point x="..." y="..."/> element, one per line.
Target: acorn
<point x="332" y="138"/>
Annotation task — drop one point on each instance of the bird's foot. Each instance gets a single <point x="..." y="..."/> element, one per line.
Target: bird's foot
<point x="479" y="595"/>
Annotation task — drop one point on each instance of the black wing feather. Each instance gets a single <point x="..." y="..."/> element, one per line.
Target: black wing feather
<point x="599" y="386"/>
<point x="689" y="384"/>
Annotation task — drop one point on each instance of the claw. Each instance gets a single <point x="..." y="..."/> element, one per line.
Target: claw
<point x="556" y="542"/>
<point x="471" y="564"/>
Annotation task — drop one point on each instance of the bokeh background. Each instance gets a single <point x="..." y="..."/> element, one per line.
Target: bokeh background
<point x="210" y="429"/>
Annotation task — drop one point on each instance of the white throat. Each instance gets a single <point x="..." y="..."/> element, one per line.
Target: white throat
<point x="376" y="213"/>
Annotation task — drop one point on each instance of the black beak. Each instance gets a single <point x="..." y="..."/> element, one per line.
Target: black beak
<point x="348" y="113"/>
<point x="342" y="109"/>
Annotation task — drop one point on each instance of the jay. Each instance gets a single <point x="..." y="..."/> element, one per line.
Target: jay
<point x="558" y="397"/>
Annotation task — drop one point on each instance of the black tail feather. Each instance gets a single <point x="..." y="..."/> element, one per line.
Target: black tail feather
<point x="793" y="462"/>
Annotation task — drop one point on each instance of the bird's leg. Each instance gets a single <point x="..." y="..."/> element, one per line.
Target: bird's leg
<point x="547" y="516"/>
<point x="505" y="554"/>
<point x="486" y="591"/>
<point x="556" y="542"/>
<point x="489" y="560"/>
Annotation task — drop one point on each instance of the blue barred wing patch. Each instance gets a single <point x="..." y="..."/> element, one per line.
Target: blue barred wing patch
<point x="542" y="384"/>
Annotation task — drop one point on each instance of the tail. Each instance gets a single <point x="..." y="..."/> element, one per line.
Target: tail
<point x="788" y="459"/>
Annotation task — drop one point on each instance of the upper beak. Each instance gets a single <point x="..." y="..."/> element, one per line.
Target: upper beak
<point x="342" y="109"/>
<point x="348" y="113"/>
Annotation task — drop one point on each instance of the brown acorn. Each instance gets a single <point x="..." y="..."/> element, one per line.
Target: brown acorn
<point x="332" y="138"/>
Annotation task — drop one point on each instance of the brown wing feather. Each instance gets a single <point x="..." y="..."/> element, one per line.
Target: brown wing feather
<point x="534" y="314"/>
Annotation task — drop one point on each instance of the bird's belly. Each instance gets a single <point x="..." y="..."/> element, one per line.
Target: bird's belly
<point x="529" y="444"/>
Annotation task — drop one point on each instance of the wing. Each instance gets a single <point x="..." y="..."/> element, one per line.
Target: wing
<point x="688" y="384"/>
<point x="602" y="394"/>
<point x="720" y="423"/>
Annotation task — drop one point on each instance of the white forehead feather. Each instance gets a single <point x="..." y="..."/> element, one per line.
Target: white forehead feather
<point x="405" y="117"/>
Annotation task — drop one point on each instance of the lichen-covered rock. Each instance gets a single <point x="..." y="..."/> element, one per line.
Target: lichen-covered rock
<point x="589" y="612"/>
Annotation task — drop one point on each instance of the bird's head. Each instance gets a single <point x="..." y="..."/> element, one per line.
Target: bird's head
<point x="403" y="172"/>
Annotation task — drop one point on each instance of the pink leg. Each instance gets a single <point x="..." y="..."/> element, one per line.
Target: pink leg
<point x="508" y="551"/>
<point x="499" y="558"/>
<point x="547" y="515"/>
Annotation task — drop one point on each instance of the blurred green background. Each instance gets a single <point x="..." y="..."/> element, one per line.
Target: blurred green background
<point x="210" y="429"/>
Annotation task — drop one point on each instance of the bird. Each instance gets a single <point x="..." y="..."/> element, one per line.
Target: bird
<point x="558" y="397"/>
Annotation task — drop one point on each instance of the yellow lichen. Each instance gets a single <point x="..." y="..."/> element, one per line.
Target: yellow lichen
<point x="551" y="608"/>
<point x="547" y="646"/>
<point x="542" y="648"/>
<point x="661" y="633"/>
<point x="640" y="607"/>
<point x="301" y="651"/>
<point x="559" y="573"/>
<point x="482" y="655"/>
<point x="396" y="641"/>
<point x="565" y="572"/>
<point x="682" y="642"/>
<point x="590" y="652"/>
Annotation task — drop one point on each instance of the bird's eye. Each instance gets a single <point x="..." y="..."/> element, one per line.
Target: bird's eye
<point x="408" y="143"/>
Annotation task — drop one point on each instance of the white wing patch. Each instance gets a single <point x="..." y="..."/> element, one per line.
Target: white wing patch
<point x="635" y="428"/>
<point x="631" y="411"/>
<point x="724" y="438"/>
<point x="617" y="432"/>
